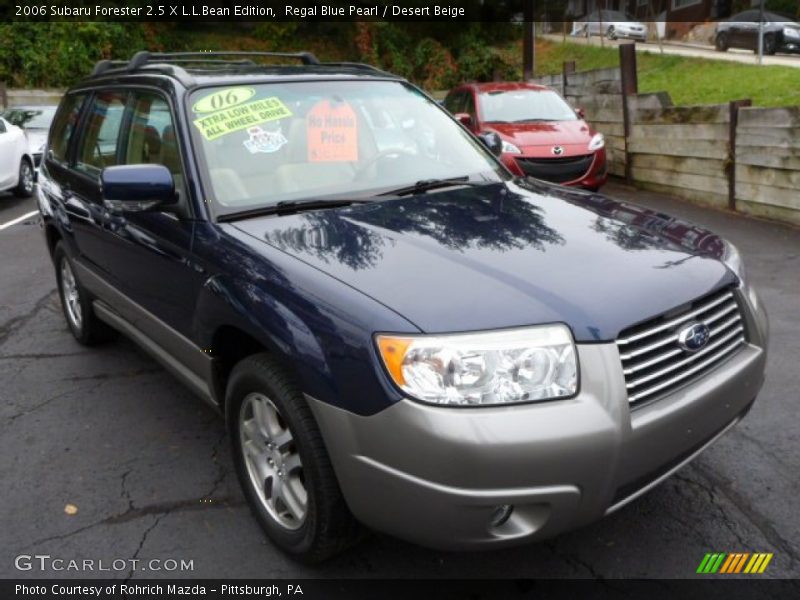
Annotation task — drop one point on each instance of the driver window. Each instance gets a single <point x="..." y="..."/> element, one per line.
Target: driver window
<point x="152" y="138"/>
<point x="99" y="147"/>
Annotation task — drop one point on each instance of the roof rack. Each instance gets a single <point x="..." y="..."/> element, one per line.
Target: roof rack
<point x="145" y="58"/>
<point x="174" y="63"/>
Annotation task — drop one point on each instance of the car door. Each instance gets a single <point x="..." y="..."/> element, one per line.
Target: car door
<point x="151" y="260"/>
<point x="97" y="147"/>
<point x="9" y="164"/>
<point x="745" y="34"/>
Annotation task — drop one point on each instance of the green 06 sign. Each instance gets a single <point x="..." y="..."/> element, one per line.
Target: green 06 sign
<point x="222" y="99"/>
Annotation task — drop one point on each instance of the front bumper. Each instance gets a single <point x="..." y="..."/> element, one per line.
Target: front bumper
<point x="437" y="475"/>
<point x="592" y="175"/>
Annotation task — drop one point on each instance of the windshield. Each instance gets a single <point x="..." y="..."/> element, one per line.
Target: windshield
<point x="279" y="142"/>
<point x="31" y="118"/>
<point x="520" y="106"/>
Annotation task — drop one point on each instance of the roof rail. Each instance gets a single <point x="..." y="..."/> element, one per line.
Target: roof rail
<point x="173" y="60"/>
<point x="357" y="65"/>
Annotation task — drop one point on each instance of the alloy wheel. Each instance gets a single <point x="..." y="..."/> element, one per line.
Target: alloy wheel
<point x="71" y="295"/>
<point x="273" y="462"/>
<point x="26" y="177"/>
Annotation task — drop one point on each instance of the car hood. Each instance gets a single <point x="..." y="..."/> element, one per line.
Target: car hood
<point x="546" y="133"/>
<point x="507" y="255"/>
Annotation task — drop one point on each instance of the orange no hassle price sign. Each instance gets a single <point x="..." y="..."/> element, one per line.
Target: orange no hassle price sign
<point x="332" y="130"/>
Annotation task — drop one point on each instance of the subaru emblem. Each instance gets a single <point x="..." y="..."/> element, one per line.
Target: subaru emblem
<point x="557" y="150"/>
<point x="694" y="337"/>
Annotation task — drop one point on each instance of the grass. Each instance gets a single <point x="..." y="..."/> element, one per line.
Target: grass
<point x="689" y="81"/>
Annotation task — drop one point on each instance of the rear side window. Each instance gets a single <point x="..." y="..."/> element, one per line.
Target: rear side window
<point x="99" y="147"/>
<point x="64" y="125"/>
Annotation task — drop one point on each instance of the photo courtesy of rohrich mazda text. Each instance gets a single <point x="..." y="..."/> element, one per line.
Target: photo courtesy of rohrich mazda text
<point x="428" y="283"/>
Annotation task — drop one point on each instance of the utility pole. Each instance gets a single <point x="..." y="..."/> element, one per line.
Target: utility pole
<point x="761" y="33"/>
<point x="529" y="40"/>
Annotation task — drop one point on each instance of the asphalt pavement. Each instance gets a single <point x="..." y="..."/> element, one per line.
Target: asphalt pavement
<point x="104" y="456"/>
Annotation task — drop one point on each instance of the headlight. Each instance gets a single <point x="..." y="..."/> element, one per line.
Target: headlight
<point x="597" y="142"/>
<point x="733" y="260"/>
<point x="485" y="368"/>
<point x="510" y="148"/>
<point x="791" y="33"/>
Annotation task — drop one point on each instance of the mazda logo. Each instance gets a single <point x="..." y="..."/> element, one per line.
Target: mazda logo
<point x="694" y="337"/>
<point x="557" y="150"/>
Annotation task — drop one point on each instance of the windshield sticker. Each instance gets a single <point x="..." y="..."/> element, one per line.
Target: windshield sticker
<point x="264" y="141"/>
<point x="332" y="133"/>
<point x="223" y="99"/>
<point x="240" y="117"/>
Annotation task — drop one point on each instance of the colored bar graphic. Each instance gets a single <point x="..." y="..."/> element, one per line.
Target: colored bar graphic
<point x="734" y="563"/>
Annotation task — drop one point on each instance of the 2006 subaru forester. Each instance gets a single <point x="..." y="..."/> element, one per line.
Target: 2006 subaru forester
<point x="398" y="332"/>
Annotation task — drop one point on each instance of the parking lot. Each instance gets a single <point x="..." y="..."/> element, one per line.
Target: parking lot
<point x="148" y="469"/>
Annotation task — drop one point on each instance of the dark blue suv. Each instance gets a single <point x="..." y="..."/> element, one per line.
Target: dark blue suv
<point x="398" y="332"/>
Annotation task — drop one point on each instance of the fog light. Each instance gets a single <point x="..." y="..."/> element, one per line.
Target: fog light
<point x="501" y="514"/>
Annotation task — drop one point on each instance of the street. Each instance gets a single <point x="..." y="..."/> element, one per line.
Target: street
<point x="148" y="474"/>
<point x="696" y="50"/>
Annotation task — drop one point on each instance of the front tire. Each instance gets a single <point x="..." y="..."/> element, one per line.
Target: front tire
<point x="25" y="182"/>
<point x="283" y="465"/>
<point x="76" y="303"/>
<point x="611" y="33"/>
<point x="722" y="42"/>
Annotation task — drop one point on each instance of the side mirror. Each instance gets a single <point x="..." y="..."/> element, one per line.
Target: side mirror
<point x="137" y="188"/>
<point x="465" y="119"/>
<point x="581" y="113"/>
<point x="492" y="141"/>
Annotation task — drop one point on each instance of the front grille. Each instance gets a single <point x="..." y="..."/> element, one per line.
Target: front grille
<point x="654" y="364"/>
<point x="556" y="169"/>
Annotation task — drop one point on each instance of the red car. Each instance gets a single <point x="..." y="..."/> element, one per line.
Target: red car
<point x="542" y="135"/>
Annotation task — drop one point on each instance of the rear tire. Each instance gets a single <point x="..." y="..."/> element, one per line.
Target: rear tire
<point x="76" y="303"/>
<point x="721" y="42"/>
<point x="283" y="465"/>
<point x="25" y="183"/>
<point x="611" y="33"/>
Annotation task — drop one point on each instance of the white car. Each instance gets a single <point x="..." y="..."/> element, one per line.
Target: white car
<point x="16" y="163"/>
<point x="35" y="121"/>
<point x="614" y="25"/>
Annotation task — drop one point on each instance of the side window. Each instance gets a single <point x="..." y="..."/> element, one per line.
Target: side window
<point x="152" y="137"/>
<point x="64" y="124"/>
<point x="469" y="105"/>
<point x="452" y="102"/>
<point x="2" y="126"/>
<point x="101" y="137"/>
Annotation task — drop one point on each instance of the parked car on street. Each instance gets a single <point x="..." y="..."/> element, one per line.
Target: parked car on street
<point x="35" y="121"/>
<point x="614" y="25"/>
<point x="542" y="135"/>
<point x="17" y="172"/>
<point x="781" y="34"/>
<point x="398" y="331"/>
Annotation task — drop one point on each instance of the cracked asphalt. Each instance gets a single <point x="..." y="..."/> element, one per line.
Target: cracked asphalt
<point x="149" y="470"/>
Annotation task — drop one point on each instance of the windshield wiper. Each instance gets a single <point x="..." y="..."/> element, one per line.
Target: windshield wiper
<point x="290" y="206"/>
<point x="535" y="120"/>
<point x="425" y="185"/>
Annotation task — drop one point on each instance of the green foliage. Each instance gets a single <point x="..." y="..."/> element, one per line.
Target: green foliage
<point x="434" y="55"/>
<point x="56" y="54"/>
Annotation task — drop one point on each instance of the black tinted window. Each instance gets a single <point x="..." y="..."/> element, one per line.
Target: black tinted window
<point x="64" y="125"/>
<point x="99" y="146"/>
